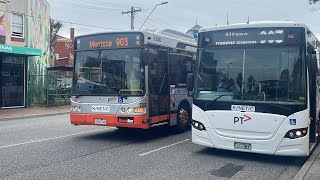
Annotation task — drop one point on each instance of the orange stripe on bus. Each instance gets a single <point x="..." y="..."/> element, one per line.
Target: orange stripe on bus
<point x="157" y="119"/>
<point x="173" y="115"/>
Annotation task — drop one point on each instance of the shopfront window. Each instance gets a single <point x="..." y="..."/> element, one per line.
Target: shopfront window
<point x="12" y="81"/>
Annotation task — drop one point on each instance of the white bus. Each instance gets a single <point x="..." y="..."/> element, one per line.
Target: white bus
<point x="133" y="79"/>
<point x="255" y="88"/>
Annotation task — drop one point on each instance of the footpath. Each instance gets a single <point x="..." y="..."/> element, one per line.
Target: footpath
<point x="32" y="112"/>
<point x="311" y="168"/>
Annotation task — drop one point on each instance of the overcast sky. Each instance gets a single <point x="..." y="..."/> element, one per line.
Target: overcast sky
<point x="178" y="14"/>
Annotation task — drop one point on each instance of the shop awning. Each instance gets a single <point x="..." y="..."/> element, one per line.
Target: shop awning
<point x="20" y="50"/>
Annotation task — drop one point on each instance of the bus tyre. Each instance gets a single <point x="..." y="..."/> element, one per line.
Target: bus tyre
<point x="183" y="118"/>
<point x="121" y="128"/>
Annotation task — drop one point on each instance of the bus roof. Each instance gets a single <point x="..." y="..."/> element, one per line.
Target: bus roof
<point x="255" y="24"/>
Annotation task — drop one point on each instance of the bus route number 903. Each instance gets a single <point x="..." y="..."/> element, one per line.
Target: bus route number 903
<point x="122" y="42"/>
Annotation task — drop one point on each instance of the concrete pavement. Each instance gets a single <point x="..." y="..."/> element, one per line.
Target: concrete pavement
<point x="51" y="148"/>
<point x="311" y="169"/>
<point x="6" y="114"/>
<point x="314" y="171"/>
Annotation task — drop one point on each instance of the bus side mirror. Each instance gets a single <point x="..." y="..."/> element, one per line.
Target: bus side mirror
<point x="312" y="63"/>
<point x="190" y="81"/>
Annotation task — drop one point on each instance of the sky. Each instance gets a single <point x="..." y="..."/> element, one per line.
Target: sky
<point x="105" y="15"/>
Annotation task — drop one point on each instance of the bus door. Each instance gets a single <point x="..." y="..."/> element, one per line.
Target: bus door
<point x="158" y="84"/>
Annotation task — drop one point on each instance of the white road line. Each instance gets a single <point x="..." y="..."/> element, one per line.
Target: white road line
<point x="164" y="147"/>
<point x="53" y="138"/>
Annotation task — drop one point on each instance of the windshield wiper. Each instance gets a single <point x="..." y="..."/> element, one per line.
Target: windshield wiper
<point x="214" y="100"/>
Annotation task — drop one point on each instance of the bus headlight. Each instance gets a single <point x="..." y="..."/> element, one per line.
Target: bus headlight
<point x="198" y="125"/>
<point x="139" y="110"/>
<point x="129" y="110"/>
<point x="296" y="133"/>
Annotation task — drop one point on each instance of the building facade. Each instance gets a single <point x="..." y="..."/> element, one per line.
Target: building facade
<point x="24" y="51"/>
<point x="194" y="31"/>
<point x="63" y="50"/>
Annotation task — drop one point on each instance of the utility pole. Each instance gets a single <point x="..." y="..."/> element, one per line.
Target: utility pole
<point x="227" y="17"/>
<point x="132" y="11"/>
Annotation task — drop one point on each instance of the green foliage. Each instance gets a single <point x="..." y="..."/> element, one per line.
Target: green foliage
<point x="313" y="1"/>
<point x="55" y="27"/>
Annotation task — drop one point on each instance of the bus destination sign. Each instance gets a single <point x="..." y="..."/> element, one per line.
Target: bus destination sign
<point x="254" y="36"/>
<point x="109" y="40"/>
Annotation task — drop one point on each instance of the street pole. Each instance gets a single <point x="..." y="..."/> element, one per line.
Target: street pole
<point x="132" y="13"/>
<point x="152" y="12"/>
<point x="132" y="19"/>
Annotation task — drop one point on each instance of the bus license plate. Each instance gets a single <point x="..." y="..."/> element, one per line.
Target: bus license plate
<point x="238" y="145"/>
<point x="100" y="121"/>
<point x="100" y="108"/>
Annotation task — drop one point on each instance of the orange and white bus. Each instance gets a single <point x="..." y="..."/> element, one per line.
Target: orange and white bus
<point x="133" y="79"/>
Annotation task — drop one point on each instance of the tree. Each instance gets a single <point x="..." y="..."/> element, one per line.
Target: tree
<point x="239" y="81"/>
<point x="251" y="83"/>
<point x="55" y="27"/>
<point x="313" y="1"/>
<point x="315" y="4"/>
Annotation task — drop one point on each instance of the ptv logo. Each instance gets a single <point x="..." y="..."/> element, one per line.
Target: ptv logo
<point x="241" y="120"/>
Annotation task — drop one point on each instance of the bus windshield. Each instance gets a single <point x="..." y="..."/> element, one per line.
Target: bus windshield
<point x="114" y="72"/>
<point x="253" y="75"/>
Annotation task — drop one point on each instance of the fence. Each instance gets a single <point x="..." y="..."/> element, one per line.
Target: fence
<point x="58" y="86"/>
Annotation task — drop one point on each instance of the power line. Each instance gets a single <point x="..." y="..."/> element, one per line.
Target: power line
<point x="160" y="22"/>
<point x="84" y="6"/>
<point x="103" y="9"/>
<point x="151" y="22"/>
<point x="132" y="13"/>
<point x="140" y="20"/>
<point x="148" y="26"/>
<point x="104" y="3"/>
<point x="156" y="22"/>
<point x="68" y="22"/>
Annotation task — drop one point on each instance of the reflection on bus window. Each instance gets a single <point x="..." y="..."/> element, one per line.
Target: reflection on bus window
<point x="109" y="72"/>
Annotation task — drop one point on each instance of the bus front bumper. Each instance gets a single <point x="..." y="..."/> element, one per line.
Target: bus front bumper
<point x="275" y="146"/>
<point x="138" y="121"/>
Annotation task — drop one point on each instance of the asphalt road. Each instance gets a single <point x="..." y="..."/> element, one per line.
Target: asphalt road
<point x="51" y="148"/>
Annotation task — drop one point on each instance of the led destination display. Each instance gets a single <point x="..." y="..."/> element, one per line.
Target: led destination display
<point x="109" y="40"/>
<point x="253" y="36"/>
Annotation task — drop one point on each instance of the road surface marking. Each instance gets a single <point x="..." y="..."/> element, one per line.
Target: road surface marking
<point x="53" y="138"/>
<point x="164" y="147"/>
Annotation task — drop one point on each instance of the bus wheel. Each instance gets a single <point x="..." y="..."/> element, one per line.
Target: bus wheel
<point x="183" y="118"/>
<point x="122" y="128"/>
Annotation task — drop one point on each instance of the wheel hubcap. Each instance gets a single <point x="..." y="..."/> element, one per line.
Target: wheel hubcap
<point x="183" y="115"/>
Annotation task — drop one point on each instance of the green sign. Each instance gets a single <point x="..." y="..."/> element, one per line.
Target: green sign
<point x="20" y="50"/>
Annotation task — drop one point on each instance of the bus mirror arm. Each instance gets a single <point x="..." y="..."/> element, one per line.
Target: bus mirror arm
<point x="190" y="81"/>
<point x="146" y="83"/>
<point x="264" y="95"/>
<point x="312" y="63"/>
